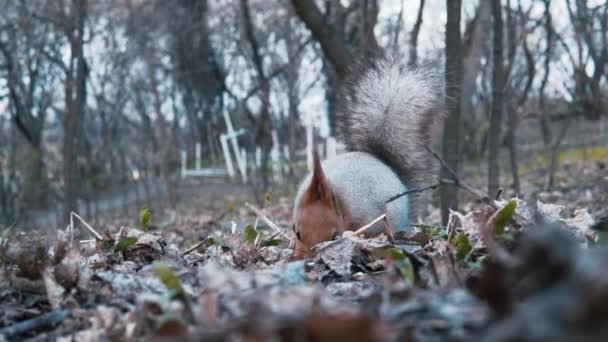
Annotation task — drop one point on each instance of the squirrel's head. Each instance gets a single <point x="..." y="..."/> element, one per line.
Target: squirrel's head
<point x="318" y="215"/>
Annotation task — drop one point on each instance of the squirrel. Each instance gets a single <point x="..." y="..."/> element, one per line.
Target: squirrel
<point x="385" y="115"/>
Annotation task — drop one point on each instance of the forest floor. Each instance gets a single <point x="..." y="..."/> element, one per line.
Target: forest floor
<point x="531" y="268"/>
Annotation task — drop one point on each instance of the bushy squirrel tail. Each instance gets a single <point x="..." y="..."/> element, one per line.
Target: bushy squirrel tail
<point x="388" y="109"/>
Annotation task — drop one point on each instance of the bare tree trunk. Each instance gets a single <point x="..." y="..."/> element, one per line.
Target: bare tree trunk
<point x="414" y="36"/>
<point x="264" y="125"/>
<point x="75" y="99"/>
<point x="555" y="155"/>
<point x="292" y="96"/>
<point x="510" y="102"/>
<point x="23" y="100"/>
<point x="473" y="50"/>
<point x="164" y="141"/>
<point x="397" y="30"/>
<point x="544" y="122"/>
<point x="369" y="16"/>
<point x="513" y="147"/>
<point x="451" y="129"/>
<point x="497" y="103"/>
<point x="331" y="41"/>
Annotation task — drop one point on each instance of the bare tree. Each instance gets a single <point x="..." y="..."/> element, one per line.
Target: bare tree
<point x="497" y="102"/>
<point x="517" y="30"/>
<point x="29" y="79"/>
<point x="264" y="125"/>
<point x="474" y="43"/>
<point x="196" y="69"/>
<point x="328" y="35"/>
<point x="414" y="35"/>
<point x="70" y="19"/>
<point x="451" y="129"/>
<point x="586" y="20"/>
<point x="345" y="35"/>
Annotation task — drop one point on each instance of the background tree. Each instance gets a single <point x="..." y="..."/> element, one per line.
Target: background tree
<point x="495" y="138"/>
<point x="451" y="128"/>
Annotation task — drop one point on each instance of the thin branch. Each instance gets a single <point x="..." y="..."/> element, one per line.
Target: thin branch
<point x="267" y="220"/>
<point x="191" y="249"/>
<point x="46" y="320"/>
<point x="413" y="191"/>
<point x="369" y="225"/>
<point x="73" y="214"/>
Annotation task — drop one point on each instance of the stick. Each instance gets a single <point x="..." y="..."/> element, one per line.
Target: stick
<point x="454" y="181"/>
<point x="267" y="220"/>
<point x="191" y="249"/>
<point x="97" y="235"/>
<point x="413" y="191"/>
<point x="70" y="229"/>
<point x="443" y="163"/>
<point x="43" y="321"/>
<point x="485" y="198"/>
<point x="369" y="225"/>
<point x="388" y="229"/>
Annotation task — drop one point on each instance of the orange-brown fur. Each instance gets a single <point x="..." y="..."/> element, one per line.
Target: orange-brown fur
<point x="321" y="214"/>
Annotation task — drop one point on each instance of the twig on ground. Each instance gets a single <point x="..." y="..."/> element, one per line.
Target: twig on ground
<point x="498" y="194"/>
<point x="369" y="225"/>
<point x="388" y="229"/>
<point x="70" y="234"/>
<point x="193" y="248"/>
<point x="268" y="222"/>
<point x="43" y="321"/>
<point x="73" y="214"/>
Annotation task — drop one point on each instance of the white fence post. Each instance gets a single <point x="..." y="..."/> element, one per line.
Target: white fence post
<point x="330" y="145"/>
<point x="197" y="155"/>
<point x="275" y="157"/>
<point x="258" y="157"/>
<point x="227" y="157"/>
<point x="183" y="171"/>
<point x="286" y="157"/>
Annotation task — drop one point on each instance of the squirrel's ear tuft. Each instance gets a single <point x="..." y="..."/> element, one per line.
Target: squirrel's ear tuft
<point x="319" y="188"/>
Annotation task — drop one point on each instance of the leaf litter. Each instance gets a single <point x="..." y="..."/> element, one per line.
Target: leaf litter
<point x="522" y="272"/>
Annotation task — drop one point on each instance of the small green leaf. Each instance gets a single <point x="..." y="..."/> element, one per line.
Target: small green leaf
<point x="168" y="278"/>
<point x="402" y="262"/>
<point x="392" y="253"/>
<point x="107" y="245"/>
<point x="171" y="319"/>
<point x="504" y="216"/>
<point x="433" y="231"/>
<point x="144" y="218"/>
<point x="478" y="263"/>
<point x="406" y="270"/>
<point x="249" y="234"/>
<point x="267" y="198"/>
<point x="462" y="244"/>
<point x="125" y="243"/>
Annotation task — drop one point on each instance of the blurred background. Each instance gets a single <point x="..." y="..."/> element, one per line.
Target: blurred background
<point x="107" y="106"/>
